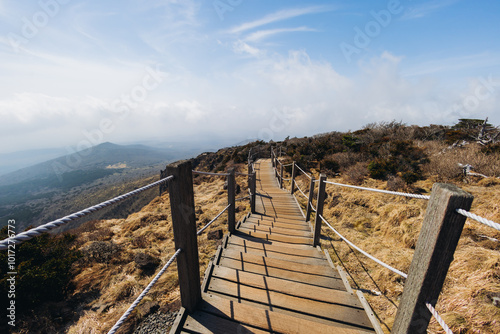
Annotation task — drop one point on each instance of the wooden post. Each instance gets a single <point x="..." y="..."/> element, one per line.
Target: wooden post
<point x="184" y="227"/>
<point x="253" y="191"/>
<point x="319" y="210"/>
<point x="281" y="176"/>
<point x="292" y="187"/>
<point x="309" y="200"/>
<point x="231" y="220"/>
<point x="276" y="169"/>
<point x="434" y="251"/>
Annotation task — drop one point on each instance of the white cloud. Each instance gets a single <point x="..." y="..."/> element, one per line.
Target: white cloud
<point x="241" y="47"/>
<point x="427" y="8"/>
<point x="279" y="16"/>
<point x="262" y="34"/>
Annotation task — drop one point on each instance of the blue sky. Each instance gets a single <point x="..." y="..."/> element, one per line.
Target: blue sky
<point x="75" y="73"/>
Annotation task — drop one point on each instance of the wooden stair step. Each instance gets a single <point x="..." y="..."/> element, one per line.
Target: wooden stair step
<point x="324" y="270"/>
<point x="291" y="288"/>
<point x="278" y="301"/>
<point x="275" y="230"/>
<point x="266" y="319"/>
<point x="276" y="237"/>
<point x="282" y="256"/>
<point x="307" y="251"/>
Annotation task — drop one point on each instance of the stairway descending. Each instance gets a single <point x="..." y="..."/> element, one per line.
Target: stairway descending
<point x="269" y="278"/>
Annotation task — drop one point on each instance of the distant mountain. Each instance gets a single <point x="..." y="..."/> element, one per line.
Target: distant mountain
<point x="60" y="186"/>
<point x="103" y="156"/>
<point x="10" y="162"/>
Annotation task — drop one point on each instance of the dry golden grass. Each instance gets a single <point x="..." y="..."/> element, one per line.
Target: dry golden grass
<point x="119" y="282"/>
<point x="387" y="227"/>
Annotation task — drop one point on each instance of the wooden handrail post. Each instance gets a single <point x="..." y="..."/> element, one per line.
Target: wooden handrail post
<point x="276" y="169"/>
<point x="319" y="210"/>
<point x="309" y="200"/>
<point x="292" y="187"/>
<point x="184" y="227"/>
<point x="281" y="176"/>
<point x="253" y="191"/>
<point x="434" y="251"/>
<point x="231" y="220"/>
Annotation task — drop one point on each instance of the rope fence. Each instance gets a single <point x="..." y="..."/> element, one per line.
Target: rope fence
<point x="312" y="207"/>
<point x="480" y="219"/>
<point x="24" y="236"/>
<point x="380" y="190"/>
<point x="363" y="252"/>
<point x="303" y="171"/>
<point x="242" y="198"/>
<point x="210" y="223"/>
<point x="440" y="320"/>
<point x="132" y="307"/>
<point x="300" y="190"/>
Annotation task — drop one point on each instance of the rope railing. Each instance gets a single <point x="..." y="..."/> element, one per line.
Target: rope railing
<point x="243" y="174"/>
<point x="380" y="190"/>
<point x="288" y="165"/>
<point x="303" y="171"/>
<point x="24" y="236"/>
<point x="301" y="192"/>
<point x="210" y="223"/>
<point x="312" y="207"/>
<point x="440" y="320"/>
<point x="132" y="307"/>
<point x="242" y="198"/>
<point x="208" y="173"/>
<point x="363" y="252"/>
<point x="480" y="219"/>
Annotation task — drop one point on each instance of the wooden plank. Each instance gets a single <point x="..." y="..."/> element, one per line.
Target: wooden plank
<point x="282" y="264"/>
<point x="276" y="230"/>
<point x="282" y="256"/>
<point x="300" y="225"/>
<point x="438" y="239"/>
<point x="343" y="276"/>
<point x="296" y="289"/>
<point x="369" y="313"/>
<point x="328" y="282"/>
<point x="276" y="237"/>
<point x="207" y="323"/>
<point x="272" y="242"/>
<point x="267" y="320"/>
<point x="332" y="312"/>
<point x="272" y="247"/>
<point x="179" y="321"/>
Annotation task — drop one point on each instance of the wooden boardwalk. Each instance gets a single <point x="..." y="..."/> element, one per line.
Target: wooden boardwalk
<point x="268" y="277"/>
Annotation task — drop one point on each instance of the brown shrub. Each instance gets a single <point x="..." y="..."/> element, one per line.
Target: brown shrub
<point x="357" y="174"/>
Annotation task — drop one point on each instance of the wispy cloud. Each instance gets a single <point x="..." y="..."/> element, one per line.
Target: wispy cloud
<point x="262" y="34"/>
<point x="279" y="16"/>
<point x="427" y="8"/>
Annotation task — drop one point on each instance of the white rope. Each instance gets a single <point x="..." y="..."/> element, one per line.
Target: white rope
<point x="242" y="198"/>
<point x="440" y="320"/>
<point x="143" y="293"/>
<point x="207" y="173"/>
<point x="363" y="252"/>
<point x="381" y="191"/>
<point x="480" y="219"/>
<point x="313" y="208"/>
<point x="244" y="174"/>
<point x="280" y="162"/>
<point x="288" y="165"/>
<point x="24" y="236"/>
<point x="303" y="171"/>
<point x="300" y="190"/>
<point x="216" y="217"/>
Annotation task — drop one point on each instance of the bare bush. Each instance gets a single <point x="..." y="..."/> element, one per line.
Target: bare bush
<point x="357" y="173"/>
